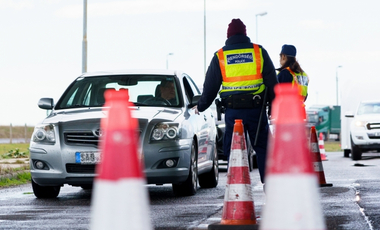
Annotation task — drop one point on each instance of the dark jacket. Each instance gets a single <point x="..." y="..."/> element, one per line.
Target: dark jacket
<point x="214" y="77"/>
<point x="285" y="76"/>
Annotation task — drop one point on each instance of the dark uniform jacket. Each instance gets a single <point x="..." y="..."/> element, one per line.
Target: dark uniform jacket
<point x="284" y="76"/>
<point x="214" y="77"/>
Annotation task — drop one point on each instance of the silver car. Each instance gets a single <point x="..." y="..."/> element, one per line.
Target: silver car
<point x="178" y="146"/>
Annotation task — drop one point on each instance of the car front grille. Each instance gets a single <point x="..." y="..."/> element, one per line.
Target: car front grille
<point x="79" y="168"/>
<point x="81" y="137"/>
<point x="84" y="138"/>
<point x="371" y="126"/>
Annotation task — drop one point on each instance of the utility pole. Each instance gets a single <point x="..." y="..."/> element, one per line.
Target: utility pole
<point x="204" y="37"/>
<point x="84" y="43"/>
<point x="257" y="31"/>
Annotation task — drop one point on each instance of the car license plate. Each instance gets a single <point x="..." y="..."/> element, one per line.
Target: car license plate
<point x="87" y="157"/>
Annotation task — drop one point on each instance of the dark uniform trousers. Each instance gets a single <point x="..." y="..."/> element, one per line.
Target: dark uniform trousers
<point x="250" y="119"/>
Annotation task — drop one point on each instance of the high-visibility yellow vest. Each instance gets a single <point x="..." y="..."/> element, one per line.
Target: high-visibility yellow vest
<point x="301" y="80"/>
<point x="242" y="70"/>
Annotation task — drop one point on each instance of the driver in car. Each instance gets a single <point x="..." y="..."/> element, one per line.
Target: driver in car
<point x="168" y="92"/>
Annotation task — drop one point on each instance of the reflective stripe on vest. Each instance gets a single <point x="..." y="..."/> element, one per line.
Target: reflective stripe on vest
<point x="302" y="80"/>
<point x="241" y="70"/>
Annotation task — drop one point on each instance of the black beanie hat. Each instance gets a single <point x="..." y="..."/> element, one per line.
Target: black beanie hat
<point x="236" y="27"/>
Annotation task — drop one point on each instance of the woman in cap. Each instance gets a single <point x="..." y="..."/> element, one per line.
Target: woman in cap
<point x="291" y="71"/>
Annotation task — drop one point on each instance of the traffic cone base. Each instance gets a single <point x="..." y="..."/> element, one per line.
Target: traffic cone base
<point x="294" y="215"/>
<point x="129" y="199"/>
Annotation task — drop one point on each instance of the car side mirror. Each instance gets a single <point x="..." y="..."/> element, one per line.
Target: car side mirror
<point x="194" y="101"/>
<point x="46" y="103"/>
<point x="349" y="114"/>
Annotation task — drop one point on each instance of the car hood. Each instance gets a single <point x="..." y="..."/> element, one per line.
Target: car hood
<point x="368" y="117"/>
<point x="147" y="113"/>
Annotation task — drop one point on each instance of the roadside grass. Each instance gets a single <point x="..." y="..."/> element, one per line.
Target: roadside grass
<point x="10" y="170"/>
<point x="14" y="150"/>
<point x="332" y="146"/>
<point x="18" y="179"/>
<point x="10" y="176"/>
<point x="14" y="176"/>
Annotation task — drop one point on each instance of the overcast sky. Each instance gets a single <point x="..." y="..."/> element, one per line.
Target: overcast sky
<point x="41" y="42"/>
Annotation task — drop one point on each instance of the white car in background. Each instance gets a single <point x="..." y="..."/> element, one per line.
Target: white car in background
<point x="365" y="129"/>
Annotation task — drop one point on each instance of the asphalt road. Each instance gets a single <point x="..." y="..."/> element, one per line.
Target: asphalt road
<point x="351" y="203"/>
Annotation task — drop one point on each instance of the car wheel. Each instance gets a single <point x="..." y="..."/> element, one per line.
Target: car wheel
<point x="346" y="152"/>
<point x="210" y="179"/>
<point x="86" y="187"/>
<point x="356" y="152"/>
<point x="45" y="191"/>
<point x="189" y="187"/>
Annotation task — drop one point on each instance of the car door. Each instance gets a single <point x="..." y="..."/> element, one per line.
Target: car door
<point x="204" y="124"/>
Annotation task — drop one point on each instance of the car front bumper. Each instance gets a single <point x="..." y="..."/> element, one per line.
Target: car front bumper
<point x="366" y="139"/>
<point x="63" y="169"/>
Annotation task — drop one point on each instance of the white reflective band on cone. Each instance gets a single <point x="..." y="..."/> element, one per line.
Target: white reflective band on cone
<point x="293" y="203"/>
<point x="238" y="158"/>
<point x="318" y="166"/>
<point x="314" y="148"/>
<point x="238" y="192"/>
<point x="128" y="200"/>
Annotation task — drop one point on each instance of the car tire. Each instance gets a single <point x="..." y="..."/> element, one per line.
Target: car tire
<point x="210" y="179"/>
<point x="87" y="187"/>
<point x="356" y="152"/>
<point x="346" y="153"/>
<point x="45" y="191"/>
<point x="189" y="187"/>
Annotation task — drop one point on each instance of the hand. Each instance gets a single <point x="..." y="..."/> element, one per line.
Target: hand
<point x="196" y="109"/>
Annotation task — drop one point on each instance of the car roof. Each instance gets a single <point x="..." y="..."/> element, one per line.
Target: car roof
<point x="369" y="101"/>
<point x="134" y="72"/>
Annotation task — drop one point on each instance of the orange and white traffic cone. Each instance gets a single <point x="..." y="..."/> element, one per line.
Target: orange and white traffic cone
<point x="120" y="199"/>
<point x="321" y="144"/>
<point x="238" y="208"/>
<point x="291" y="184"/>
<point x="318" y="167"/>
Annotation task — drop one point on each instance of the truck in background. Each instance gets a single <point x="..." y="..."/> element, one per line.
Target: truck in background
<point x="326" y="120"/>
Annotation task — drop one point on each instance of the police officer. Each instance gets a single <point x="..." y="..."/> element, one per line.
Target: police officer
<point x="291" y="71"/>
<point x="244" y="71"/>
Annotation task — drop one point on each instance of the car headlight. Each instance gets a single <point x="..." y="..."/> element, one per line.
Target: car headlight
<point x="44" y="134"/>
<point x="359" y="123"/>
<point x="164" y="131"/>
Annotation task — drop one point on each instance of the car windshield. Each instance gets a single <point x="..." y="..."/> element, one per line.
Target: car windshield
<point x="369" y="108"/>
<point x="144" y="90"/>
<point x="312" y="117"/>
